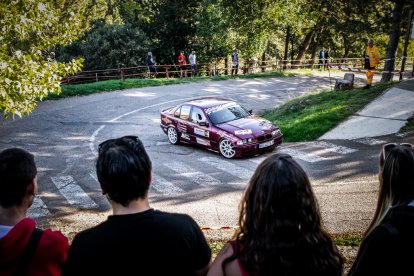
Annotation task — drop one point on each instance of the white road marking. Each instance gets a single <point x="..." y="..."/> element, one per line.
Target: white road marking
<point x="162" y="143"/>
<point x="38" y="209"/>
<point x="92" y="140"/>
<point x="193" y="175"/>
<point x="228" y="167"/>
<point x="164" y="186"/>
<point x="335" y="148"/>
<point x="305" y="156"/>
<point x="369" y="141"/>
<point x="93" y="175"/>
<point x="73" y="192"/>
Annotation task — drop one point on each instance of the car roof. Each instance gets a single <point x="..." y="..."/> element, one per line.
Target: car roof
<point x="207" y="102"/>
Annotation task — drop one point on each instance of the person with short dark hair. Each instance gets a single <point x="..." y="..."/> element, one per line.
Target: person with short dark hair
<point x="183" y="64"/>
<point x="280" y="227"/>
<point x="25" y="249"/>
<point x="321" y="56"/>
<point x="192" y="60"/>
<point x="234" y="62"/>
<point x="151" y="65"/>
<point x="388" y="241"/>
<point x="135" y="239"/>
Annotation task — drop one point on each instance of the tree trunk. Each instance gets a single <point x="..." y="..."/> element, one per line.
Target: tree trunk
<point x="393" y="42"/>
<point x="406" y="42"/>
<point x="264" y="64"/>
<point x="285" y="56"/>
<point x="303" y="47"/>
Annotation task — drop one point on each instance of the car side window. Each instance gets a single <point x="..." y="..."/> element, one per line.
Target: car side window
<point x="197" y="115"/>
<point x="177" y="112"/>
<point x="185" y="112"/>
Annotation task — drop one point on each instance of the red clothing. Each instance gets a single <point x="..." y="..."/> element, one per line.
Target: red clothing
<point x="182" y="60"/>
<point x="242" y="270"/>
<point x="49" y="257"/>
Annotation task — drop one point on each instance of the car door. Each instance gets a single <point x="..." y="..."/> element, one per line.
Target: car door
<point x="200" y="128"/>
<point x="182" y="115"/>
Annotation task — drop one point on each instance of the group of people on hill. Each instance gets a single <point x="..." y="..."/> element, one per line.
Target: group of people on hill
<point x="280" y="227"/>
<point x="182" y="61"/>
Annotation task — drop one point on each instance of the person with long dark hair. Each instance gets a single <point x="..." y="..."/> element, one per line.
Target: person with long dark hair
<point x="280" y="227"/>
<point x="388" y="241"/>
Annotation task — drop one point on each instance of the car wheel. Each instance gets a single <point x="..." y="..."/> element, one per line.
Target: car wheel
<point x="173" y="136"/>
<point x="227" y="149"/>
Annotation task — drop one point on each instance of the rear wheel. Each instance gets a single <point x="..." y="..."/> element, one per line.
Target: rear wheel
<point x="227" y="149"/>
<point x="173" y="136"/>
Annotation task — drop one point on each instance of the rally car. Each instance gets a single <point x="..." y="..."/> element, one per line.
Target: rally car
<point x="219" y="125"/>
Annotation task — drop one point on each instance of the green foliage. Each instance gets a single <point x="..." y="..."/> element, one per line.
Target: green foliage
<point x="29" y="29"/>
<point x="110" y="46"/>
<point x="213" y="37"/>
<point x="300" y="119"/>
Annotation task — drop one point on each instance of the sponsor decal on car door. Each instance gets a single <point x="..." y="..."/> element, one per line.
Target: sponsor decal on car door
<point x="200" y="131"/>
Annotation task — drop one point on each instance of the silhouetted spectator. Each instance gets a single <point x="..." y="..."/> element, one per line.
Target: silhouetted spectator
<point x="25" y="249"/>
<point x="135" y="239"/>
<point x="280" y="227"/>
<point x="388" y="241"/>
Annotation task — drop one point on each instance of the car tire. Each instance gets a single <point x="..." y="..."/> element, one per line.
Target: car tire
<point x="227" y="149"/>
<point x="173" y="136"/>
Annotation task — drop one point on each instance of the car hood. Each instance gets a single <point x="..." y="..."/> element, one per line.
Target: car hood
<point x="248" y="127"/>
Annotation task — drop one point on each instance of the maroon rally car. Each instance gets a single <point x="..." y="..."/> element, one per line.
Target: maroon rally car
<point x="219" y="125"/>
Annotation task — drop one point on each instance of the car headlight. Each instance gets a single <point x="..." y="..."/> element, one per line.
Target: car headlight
<point x="275" y="132"/>
<point x="244" y="141"/>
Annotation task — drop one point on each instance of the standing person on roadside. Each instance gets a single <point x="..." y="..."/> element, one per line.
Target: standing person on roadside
<point x="183" y="64"/>
<point x="135" y="239"/>
<point x="234" y="63"/>
<point x="387" y="248"/>
<point x="192" y="60"/>
<point x="327" y="57"/>
<point x="25" y="249"/>
<point x="280" y="227"/>
<point x="321" y="57"/>
<point x="371" y="59"/>
<point x="151" y="65"/>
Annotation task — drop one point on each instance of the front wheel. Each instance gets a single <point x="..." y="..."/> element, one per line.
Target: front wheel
<point x="227" y="149"/>
<point x="173" y="136"/>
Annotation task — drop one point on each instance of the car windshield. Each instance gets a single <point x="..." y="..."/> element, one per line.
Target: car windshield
<point x="227" y="113"/>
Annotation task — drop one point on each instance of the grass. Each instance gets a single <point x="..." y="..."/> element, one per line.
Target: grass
<point x="307" y="118"/>
<point x="409" y="126"/>
<point x="340" y="240"/>
<point x="112" y="85"/>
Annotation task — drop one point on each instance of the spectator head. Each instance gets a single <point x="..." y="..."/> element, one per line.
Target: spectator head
<point x="52" y="55"/>
<point x="123" y="168"/>
<point x="193" y="52"/>
<point x="279" y="199"/>
<point x="235" y="50"/>
<point x="396" y="174"/>
<point x="396" y="177"/>
<point x="370" y="42"/>
<point x="17" y="177"/>
<point x="150" y="53"/>
<point x="182" y="52"/>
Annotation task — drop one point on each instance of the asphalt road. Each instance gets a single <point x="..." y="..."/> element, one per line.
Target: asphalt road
<point x="64" y="136"/>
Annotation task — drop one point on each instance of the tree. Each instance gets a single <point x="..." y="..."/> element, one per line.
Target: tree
<point x="30" y="28"/>
<point x="121" y="45"/>
<point x="395" y="33"/>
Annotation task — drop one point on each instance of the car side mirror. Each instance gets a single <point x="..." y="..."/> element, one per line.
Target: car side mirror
<point x="203" y="123"/>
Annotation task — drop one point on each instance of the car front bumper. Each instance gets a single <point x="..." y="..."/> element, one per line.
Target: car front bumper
<point x="255" y="148"/>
